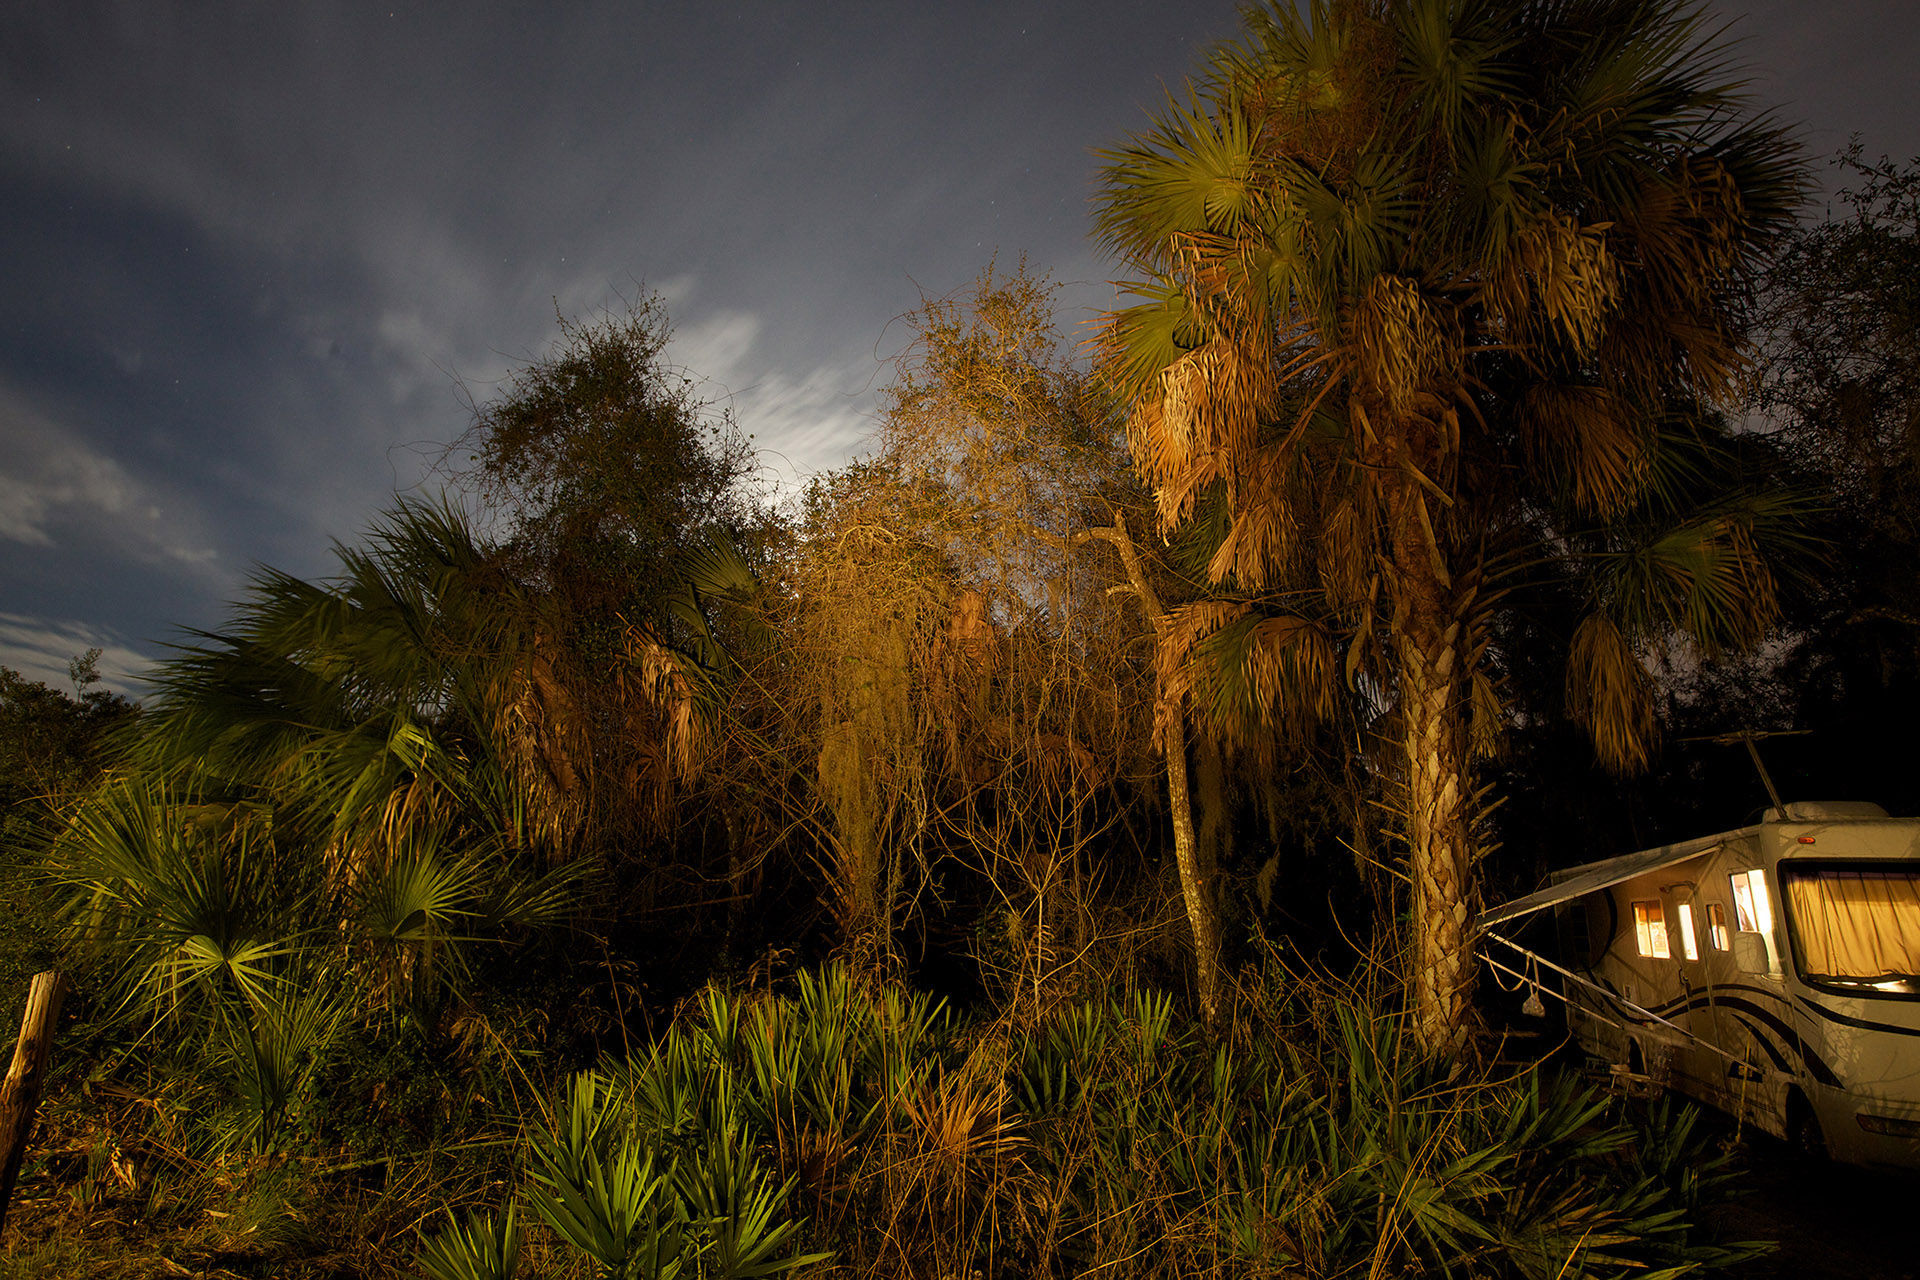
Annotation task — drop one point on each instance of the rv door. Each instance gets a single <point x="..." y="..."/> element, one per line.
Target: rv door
<point x="1698" y="1060"/>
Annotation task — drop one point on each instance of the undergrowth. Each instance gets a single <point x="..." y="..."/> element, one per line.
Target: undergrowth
<point x="853" y="1130"/>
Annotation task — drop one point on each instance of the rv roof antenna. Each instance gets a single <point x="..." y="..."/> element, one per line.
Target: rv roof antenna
<point x="1747" y="737"/>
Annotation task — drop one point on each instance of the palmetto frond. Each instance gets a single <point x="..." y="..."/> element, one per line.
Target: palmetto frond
<point x="1192" y="174"/>
<point x="1266" y="671"/>
<point x="1610" y="691"/>
<point x="1701" y="578"/>
<point x="275" y="1046"/>
<point x="484" y="1247"/>
<point x="186" y="902"/>
<point x="1695" y="556"/>
<point x="417" y="912"/>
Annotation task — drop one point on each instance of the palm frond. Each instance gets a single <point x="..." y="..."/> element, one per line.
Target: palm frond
<point x="279" y="1044"/>
<point x="484" y="1247"/>
<point x="1611" y="693"/>
<point x="179" y="901"/>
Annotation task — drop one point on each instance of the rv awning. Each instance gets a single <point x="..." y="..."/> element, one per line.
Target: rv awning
<point x="1576" y="882"/>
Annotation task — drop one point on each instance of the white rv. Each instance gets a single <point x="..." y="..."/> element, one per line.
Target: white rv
<point x="1772" y="971"/>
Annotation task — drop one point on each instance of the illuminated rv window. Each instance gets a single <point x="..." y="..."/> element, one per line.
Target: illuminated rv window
<point x="1762" y="905"/>
<point x="1717" y="927"/>
<point x="1857" y="926"/>
<point x="1650" y="930"/>
<point x="1689" y="944"/>
<point x="1743" y="904"/>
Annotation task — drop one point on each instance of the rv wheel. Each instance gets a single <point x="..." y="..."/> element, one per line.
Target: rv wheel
<point x="1803" y="1131"/>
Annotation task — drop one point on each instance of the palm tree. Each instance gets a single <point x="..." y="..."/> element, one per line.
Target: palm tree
<point x="418" y="686"/>
<point x="1435" y="297"/>
<point x="429" y="757"/>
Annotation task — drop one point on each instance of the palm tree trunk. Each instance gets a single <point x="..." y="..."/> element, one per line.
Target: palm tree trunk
<point x="1430" y="649"/>
<point x="1193" y="884"/>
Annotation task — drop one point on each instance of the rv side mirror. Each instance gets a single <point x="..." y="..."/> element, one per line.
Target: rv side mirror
<point x="1750" y="952"/>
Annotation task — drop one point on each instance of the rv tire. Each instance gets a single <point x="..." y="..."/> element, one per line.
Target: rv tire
<point x="1803" y="1131"/>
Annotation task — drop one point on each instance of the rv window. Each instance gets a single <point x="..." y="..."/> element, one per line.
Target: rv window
<point x="1689" y="944"/>
<point x="1857" y="927"/>
<point x="1650" y="930"/>
<point x="1746" y="916"/>
<point x="1762" y="905"/>
<point x="1717" y="927"/>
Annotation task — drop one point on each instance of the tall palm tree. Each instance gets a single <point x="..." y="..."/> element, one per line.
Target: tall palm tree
<point x="1435" y="296"/>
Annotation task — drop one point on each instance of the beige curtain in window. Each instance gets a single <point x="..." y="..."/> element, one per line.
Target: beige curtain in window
<point x="1857" y="924"/>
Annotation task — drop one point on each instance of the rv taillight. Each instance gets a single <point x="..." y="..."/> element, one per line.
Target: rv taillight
<point x="1888" y="1126"/>
<point x="1806" y="839"/>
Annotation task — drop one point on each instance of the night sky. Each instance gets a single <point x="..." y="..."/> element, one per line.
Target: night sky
<point x="249" y="254"/>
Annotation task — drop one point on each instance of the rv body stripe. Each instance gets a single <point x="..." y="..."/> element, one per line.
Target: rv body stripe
<point x="1779" y="1059"/>
<point x="1850" y="1021"/>
<point x="1816" y="1068"/>
<point x="1710" y="997"/>
<point x="1710" y="987"/>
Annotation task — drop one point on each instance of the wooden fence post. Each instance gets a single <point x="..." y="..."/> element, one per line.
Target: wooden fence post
<point x="20" y="1095"/>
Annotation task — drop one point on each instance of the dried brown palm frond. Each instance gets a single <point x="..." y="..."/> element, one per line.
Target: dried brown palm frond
<point x="1267" y="540"/>
<point x="680" y="700"/>
<point x="1398" y="344"/>
<point x="1185" y="628"/>
<point x="1591" y="437"/>
<point x="961" y="1177"/>
<point x="1558" y="281"/>
<point x="1206" y="414"/>
<point x="540" y="730"/>
<point x="963" y="1125"/>
<point x="1611" y="692"/>
<point x="1348" y="550"/>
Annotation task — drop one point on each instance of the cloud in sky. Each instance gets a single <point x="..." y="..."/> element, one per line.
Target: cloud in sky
<point x="808" y="423"/>
<point x="253" y="257"/>
<point x="41" y="648"/>
<point x="58" y="490"/>
<point x="802" y="422"/>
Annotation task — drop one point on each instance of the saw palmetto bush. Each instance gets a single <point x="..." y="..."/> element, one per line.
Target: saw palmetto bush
<point x="895" y="1135"/>
<point x="1314" y="1139"/>
<point x="665" y="1165"/>
<point x="638" y="1201"/>
<point x="1318" y="1140"/>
